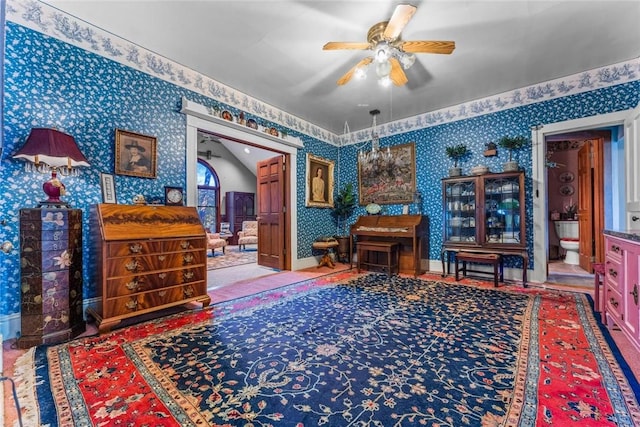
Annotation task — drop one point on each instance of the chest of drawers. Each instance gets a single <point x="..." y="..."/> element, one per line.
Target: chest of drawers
<point x="149" y="258"/>
<point x="621" y="287"/>
<point x="51" y="275"/>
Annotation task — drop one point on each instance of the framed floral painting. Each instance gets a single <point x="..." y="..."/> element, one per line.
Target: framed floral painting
<point x="390" y="182"/>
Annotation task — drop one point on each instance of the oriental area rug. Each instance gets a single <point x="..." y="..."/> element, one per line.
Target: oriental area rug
<point x="344" y="350"/>
<point x="231" y="257"/>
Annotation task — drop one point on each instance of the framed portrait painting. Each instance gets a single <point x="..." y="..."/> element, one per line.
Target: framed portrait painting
<point x="393" y="182"/>
<point x="319" y="179"/>
<point x="135" y="154"/>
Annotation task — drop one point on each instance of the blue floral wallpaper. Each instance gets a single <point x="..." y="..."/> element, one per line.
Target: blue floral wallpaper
<point x="52" y="83"/>
<point x="89" y="96"/>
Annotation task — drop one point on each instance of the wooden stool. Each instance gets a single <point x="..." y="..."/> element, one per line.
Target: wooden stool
<point x="598" y="271"/>
<point x="492" y="259"/>
<point x="392" y="249"/>
<point x="326" y="258"/>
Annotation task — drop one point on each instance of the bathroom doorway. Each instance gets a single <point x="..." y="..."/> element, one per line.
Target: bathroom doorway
<point x="575" y="194"/>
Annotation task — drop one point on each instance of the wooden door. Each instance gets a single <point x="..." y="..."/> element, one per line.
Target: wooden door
<point x="632" y="171"/>
<point x="591" y="203"/>
<point x="271" y="213"/>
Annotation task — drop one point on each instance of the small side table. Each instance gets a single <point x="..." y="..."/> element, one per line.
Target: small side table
<point x="326" y="247"/>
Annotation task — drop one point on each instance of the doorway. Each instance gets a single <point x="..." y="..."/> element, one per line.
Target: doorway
<point x="575" y="167"/>
<point x="198" y="121"/>
<point x="541" y="211"/>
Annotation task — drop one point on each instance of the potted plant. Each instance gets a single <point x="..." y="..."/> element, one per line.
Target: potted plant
<point x="456" y="152"/>
<point x="344" y="204"/>
<point x="511" y="144"/>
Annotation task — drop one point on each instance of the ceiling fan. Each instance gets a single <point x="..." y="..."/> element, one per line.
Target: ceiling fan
<point x="391" y="53"/>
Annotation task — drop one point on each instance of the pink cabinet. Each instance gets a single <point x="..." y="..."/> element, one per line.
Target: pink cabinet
<point x="621" y="287"/>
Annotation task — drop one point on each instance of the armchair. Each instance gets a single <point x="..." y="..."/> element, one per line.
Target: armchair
<point x="214" y="241"/>
<point x="248" y="235"/>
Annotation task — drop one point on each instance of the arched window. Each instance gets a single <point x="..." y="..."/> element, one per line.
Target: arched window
<point x="208" y="196"/>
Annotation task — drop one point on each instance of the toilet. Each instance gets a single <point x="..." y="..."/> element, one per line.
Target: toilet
<point x="567" y="232"/>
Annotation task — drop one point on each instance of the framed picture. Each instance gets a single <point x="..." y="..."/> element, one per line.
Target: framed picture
<point x="107" y="184"/>
<point x="392" y="183"/>
<point x="135" y="154"/>
<point x="319" y="181"/>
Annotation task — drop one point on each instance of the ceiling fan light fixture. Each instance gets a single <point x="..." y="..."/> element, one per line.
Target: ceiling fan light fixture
<point x="360" y="73"/>
<point x="407" y="60"/>
<point x="383" y="52"/>
<point x="383" y="69"/>
<point x="384" y="81"/>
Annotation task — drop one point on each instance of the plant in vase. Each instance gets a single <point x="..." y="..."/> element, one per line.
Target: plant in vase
<point x="456" y="153"/>
<point x="344" y="203"/>
<point x="571" y="210"/>
<point x="512" y="143"/>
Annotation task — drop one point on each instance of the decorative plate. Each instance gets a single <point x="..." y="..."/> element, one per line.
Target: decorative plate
<point x="373" y="209"/>
<point x="566" y="177"/>
<point x="226" y="115"/>
<point x="273" y="132"/>
<point x="567" y="190"/>
<point x="252" y="124"/>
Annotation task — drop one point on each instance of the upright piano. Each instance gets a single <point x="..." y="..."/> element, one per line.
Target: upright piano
<point x="410" y="231"/>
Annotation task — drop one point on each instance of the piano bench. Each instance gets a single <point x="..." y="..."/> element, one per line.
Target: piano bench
<point x="492" y="259"/>
<point x="369" y="253"/>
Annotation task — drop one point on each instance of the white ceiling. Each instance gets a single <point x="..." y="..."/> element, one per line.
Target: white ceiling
<point x="272" y="49"/>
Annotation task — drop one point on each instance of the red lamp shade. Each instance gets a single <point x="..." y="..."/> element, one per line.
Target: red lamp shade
<point x="55" y="149"/>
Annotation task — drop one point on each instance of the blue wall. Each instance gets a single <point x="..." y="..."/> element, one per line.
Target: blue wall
<point x="52" y="84"/>
<point x="49" y="83"/>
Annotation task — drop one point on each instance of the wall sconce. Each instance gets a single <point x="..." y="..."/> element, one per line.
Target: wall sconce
<point x="55" y="151"/>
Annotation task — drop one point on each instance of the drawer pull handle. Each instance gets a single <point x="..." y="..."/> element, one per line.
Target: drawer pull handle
<point x="133" y="285"/>
<point x="136" y="248"/>
<point x="162" y="275"/>
<point x="613" y="273"/>
<point x="634" y="218"/>
<point x="132" y="304"/>
<point x="188" y="258"/>
<point x="613" y="302"/>
<point x="184" y="244"/>
<point x="635" y="293"/>
<point x="188" y="292"/>
<point x="161" y="257"/>
<point x="132" y="265"/>
<point x="162" y="293"/>
<point x="188" y="275"/>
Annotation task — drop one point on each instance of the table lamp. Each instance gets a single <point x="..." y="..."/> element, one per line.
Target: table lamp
<point x="49" y="149"/>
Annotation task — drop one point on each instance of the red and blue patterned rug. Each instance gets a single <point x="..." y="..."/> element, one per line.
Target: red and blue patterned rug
<point x="344" y="351"/>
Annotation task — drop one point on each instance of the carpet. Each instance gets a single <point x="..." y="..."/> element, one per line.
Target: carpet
<point x="344" y="350"/>
<point x="231" y="257"/>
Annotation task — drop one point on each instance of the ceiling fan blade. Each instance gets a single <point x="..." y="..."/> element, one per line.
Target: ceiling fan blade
<point x="399" y="19"/>
<point x="346" y="45"/>
<point x="397" y="75"/>
<point x="424" y="46"/>
<point x="349" y="74"/>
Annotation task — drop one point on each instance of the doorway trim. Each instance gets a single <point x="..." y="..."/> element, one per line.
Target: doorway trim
<point x="539" y="180"/>
<point x="197" y="120"/>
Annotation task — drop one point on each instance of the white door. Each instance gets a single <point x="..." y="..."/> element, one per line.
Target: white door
<point x="632" y="167"/>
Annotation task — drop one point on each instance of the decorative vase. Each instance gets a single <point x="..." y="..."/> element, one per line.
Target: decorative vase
<point x="510" y="166"/>
<point x="455" y="171"/>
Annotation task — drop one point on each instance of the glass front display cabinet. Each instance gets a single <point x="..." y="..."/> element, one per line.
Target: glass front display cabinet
<point x="484" y="211"/>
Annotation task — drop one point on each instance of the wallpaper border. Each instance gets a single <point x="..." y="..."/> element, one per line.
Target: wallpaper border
<point x="50" y="21"/>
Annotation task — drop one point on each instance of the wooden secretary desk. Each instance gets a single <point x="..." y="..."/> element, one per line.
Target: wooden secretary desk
<point x="149" y="258"/>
